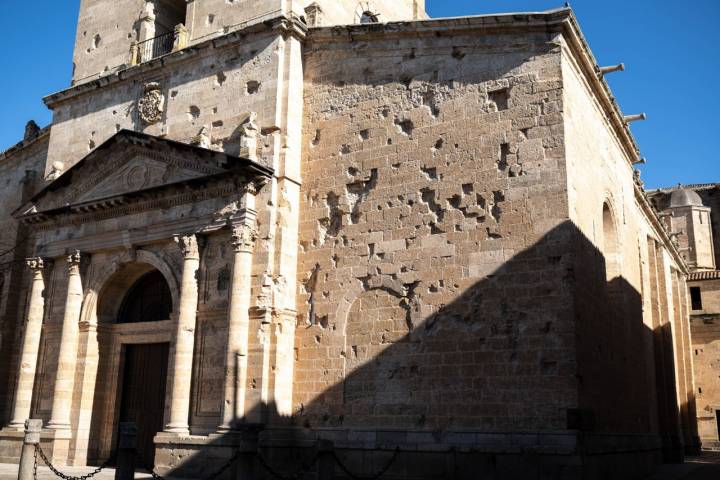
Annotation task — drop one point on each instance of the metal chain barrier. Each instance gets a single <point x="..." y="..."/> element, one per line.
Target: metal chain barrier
<point x="39" y="452"/>
<point x="304" y="468"/>
<point x="382" y="472"/>
<point x="212" y="476"/>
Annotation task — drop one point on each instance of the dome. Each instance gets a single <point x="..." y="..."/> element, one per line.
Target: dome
<point x="684" y="197"/>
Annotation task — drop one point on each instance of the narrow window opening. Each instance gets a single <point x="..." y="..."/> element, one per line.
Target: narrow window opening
<point x="696" y="298"/>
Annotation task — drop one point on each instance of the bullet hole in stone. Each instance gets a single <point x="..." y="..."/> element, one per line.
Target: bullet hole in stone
<point x="344" y="149"/>
<point x="173" y="93"/>
<point x="496" y="211"/>
<point x="364" y="134"/>
<point x="430" y="101"/>
<point x="210" y="19"/>
<point x="220" y="78"/>
<point x="129" y="36"/>
<point x="117" y="127"/>
<point x="525" y="132"/>
<point x="439" y="144"/>
<point x="358" y="191"/>
<point x="352" y="171"/>
<point x="334" y="222"/>
<point x="457" y="53"/>
<point x="334" y="259"/>
<point x="429" y="198"/>
<point x="316" y="139"/>
<point x="97" y="41"/>
<point x="493" y="234"/>
<point x="386" y="112"/>
<point x="91" y="145"/>
<point x="405" y="126"/>
<point x="430" y="173"/>
<point x="389" y="141"/>
<point x="500" y="98"/>
<point x="214" y="110"/>
<point x="455" y="201"/>
<point x="317" y="339"/>
<point x="457" y="145"/>
<point x="502" y="163"/>
<point x="252" y="87"/>
<point x="433" y="289"/>
<point x="467" y="188"/>
<point x="193" y="112"/>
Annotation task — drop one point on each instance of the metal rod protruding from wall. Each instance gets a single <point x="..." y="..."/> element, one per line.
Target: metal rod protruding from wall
<point x="640" y="161"/>
<point x="27" y="455"/>
<point x="620" y="67"/>
<point x="634" y="118"/>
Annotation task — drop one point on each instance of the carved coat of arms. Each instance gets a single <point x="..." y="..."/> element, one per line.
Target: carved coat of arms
<point x="152" y="104"/>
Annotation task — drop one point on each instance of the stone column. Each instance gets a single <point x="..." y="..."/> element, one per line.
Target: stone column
<point x="243" y="239"/>
<point x="65" y="376"/>
<point x="30" y="346"/>
<point x="182" y="357"/>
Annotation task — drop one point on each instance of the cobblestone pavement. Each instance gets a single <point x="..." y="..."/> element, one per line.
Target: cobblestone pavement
<point x="704" y="467"/>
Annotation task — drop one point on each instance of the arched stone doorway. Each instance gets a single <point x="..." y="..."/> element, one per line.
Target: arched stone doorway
<point x="134" y="311"/>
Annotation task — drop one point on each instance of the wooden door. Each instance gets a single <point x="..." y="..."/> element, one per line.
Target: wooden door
<point x="142" y="401"/>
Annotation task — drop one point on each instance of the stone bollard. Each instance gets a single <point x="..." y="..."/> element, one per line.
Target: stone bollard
<point x="27" y="456"/>
<point x="326" y="462"/>
<point x="125" y="468"/>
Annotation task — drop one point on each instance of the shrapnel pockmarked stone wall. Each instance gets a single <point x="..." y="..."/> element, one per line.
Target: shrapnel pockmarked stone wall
<point x="425" y="235"/>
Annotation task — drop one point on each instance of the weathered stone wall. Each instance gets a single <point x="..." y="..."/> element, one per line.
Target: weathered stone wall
<point x="433" y="235"/>
<point x="706" y="348"/>
<point x="107" y="28"/>
<point x="21" y="170"/>
<point x="615" y="327"/>
<point x="214" y="87"/>
<point x="104" y="33"/>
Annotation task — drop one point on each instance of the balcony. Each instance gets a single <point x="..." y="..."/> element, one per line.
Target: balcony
<point x="155" y="47"/>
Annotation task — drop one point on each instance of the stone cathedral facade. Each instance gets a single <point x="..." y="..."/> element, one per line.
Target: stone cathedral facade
<point x="281" y="226"/>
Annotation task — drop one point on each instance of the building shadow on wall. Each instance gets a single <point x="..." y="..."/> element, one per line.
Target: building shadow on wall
<point x="542" y="369"/>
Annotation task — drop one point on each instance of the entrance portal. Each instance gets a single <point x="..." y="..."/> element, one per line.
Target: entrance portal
<point x="143" y="395"/>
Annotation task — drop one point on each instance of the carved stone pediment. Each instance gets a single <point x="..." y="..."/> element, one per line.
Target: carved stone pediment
<point x="132" y="164"/>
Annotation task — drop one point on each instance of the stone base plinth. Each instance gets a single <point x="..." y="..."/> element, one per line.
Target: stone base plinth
<point x="55" y="444"/>
<point x="421" y="454"/>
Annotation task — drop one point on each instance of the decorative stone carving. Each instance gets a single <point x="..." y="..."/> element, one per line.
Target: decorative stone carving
<point x="202" y="139"/>
<point x="181" y="37"/>
<point x="188" y="245"/>
<point x="248" y="137"/>
<point x="35" y="263"/>
<point x="243" y="237"/>
<point x="152" y="104"/>
<point x="58" y="168"/>
<point x="74" y="259"/>
<point x="313" y="15"/>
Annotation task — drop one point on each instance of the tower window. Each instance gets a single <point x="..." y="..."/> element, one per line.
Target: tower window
<point x="696" y="298"/>
<point x="368" y="17"/>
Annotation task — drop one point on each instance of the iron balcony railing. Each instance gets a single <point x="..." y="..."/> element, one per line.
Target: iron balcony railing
<point x="156" y="47"/>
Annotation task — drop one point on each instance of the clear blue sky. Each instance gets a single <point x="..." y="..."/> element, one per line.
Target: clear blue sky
<point x="670" y="49"/>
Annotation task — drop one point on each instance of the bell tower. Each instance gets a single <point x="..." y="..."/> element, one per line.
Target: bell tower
<point x="116" y="34"/>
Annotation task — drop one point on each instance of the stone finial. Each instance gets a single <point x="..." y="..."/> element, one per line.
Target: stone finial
<point x="188" y="245"/>
<point x="243" y="237"/>
<point x="202" y="139"/>
<point x="57" y="169"/>
<point x="148" y="13"/>
<point x="313" y="15"/>
<point x="31" y="130"/>
<point x="181" y="37"/>
<point x="248" y="137"/>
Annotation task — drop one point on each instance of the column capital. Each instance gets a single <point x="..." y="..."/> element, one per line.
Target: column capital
<point x="35" y="263"/>
<point x="74" y="261"/>
<point x="243" y="237"/>
<point x="188" y="245"/>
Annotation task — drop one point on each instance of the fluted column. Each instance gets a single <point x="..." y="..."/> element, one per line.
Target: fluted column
<point x="182" y="359"/>
<point x="65" y="376"/>
<point x="30" y="346"/>
<point x="236" y="360"/>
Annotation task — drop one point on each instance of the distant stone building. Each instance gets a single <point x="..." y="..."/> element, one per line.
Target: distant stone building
<point x="293" y="227"/>
<point x="692" y="215"/>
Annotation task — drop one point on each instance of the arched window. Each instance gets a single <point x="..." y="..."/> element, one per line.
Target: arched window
<point x="368" y="17"/>
<point x="611" y="243"/>
<point x="148" y="300"/>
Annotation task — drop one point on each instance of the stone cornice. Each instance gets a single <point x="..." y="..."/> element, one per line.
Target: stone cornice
<point x="560" y="21"/>
<point x="43" y="134"/>
<point x="281" y="23"/>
